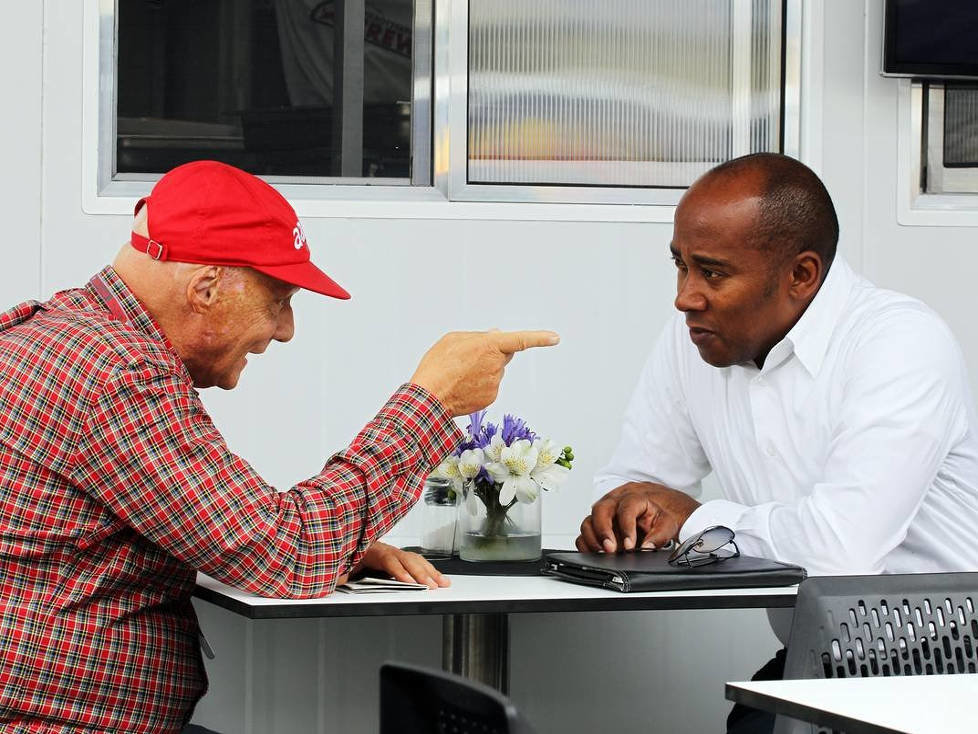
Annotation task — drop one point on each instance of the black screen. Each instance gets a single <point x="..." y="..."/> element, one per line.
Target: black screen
<point x="931" y="38"/>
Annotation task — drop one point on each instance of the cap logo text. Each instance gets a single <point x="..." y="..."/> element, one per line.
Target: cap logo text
<point x="298" y="236"/>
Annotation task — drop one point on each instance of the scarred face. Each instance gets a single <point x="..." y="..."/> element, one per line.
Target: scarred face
<point x="249" y="311"/>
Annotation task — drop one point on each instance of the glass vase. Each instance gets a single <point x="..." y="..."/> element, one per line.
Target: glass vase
<point x="493" y="531"/>
<point x="439" y="535"/>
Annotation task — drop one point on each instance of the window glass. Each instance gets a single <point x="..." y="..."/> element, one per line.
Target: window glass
<point x="620" y="92"/>
<point x="949" y="138"/>
<point x="961" y="126"/>
<point x="254" y="83"/>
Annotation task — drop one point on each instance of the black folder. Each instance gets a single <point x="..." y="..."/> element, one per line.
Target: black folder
<point x="650" y="571"/>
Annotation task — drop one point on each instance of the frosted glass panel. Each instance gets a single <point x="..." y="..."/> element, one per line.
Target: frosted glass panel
<point x="620" y="92"/>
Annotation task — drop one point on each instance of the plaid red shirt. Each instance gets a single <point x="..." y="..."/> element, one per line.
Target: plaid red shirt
<point x="115" y="487"/>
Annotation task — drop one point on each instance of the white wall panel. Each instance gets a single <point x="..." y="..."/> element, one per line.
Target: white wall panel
<point x="20" y="128"/>
<point x="74" y="245"/>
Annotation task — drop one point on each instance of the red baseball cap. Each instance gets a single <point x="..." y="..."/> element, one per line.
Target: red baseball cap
<point x="214" y="214"/>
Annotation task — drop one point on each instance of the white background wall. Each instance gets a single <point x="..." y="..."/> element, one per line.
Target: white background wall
<point x="607" y="287"/>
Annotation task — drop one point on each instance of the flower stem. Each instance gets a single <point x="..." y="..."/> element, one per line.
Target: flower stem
<point x="496" y="512"/>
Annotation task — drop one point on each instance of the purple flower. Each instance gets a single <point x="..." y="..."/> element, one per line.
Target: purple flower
<point x="515" y="429"/>
<point x="475" y="423"/>
<point x="465" y="446"/>
<point x="481" y="432"/>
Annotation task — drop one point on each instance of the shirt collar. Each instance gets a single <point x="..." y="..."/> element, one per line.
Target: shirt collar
<point x="809" y="337"/>
<point x="109" y="290"/>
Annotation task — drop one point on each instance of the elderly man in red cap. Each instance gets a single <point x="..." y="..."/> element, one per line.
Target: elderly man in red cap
<point x="117" y="487"/>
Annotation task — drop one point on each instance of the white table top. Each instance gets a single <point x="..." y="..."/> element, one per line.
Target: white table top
<point x="489" y="594"/>
<point x="907" y="704"/>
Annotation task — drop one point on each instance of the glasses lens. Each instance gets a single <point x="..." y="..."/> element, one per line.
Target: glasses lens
<point x="713" y="538"/>
<point x="729" y="551"/>
<point x="706" y="547"/>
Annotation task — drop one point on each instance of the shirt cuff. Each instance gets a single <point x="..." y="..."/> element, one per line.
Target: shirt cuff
<point x="714" y="512"/>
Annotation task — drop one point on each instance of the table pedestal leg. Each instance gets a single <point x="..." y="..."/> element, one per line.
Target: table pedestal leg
<point x="477" y="646"/>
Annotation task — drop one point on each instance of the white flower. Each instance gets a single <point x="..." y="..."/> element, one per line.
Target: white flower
<point x="497" y="471"/>
<point x="523" y="488"/>
<point x="520" y="458"/>
<point x="470" y="462"/>
<point x="513" y="471"/>
<point x="550" y="477"/>
<point x="449" y="469"/>
<point x="494" y="451"/>
<point x="547" y="473"/>
<point x="548" y="452"/>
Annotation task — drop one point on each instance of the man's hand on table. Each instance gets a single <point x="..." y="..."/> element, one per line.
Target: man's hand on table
<point x="634" y="516"/>
<point x="401" y="565"/>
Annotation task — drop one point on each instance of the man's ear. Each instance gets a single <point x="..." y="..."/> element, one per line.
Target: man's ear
<point x="203" y="287"/>
<point x="806" y="275"/>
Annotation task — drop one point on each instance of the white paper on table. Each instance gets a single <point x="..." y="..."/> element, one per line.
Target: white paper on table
<point x="371" y="585"/>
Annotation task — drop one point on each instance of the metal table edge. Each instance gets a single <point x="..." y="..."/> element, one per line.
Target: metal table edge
<point x="834" y="721"/>
<point x="623" y="603"/>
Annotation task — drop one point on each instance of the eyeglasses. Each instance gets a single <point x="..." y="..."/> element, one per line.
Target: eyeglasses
<point x="708" y="546"/>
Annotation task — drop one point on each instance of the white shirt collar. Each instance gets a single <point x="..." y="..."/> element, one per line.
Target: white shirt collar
<point x="811" y="333"/>
<point x="809" y="337"/>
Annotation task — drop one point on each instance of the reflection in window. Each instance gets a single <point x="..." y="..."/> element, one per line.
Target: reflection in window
<point x="621" y="92"/>
<point x="253" y="83"/>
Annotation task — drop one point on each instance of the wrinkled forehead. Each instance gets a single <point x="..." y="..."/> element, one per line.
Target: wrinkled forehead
<point x="274" y="286"/>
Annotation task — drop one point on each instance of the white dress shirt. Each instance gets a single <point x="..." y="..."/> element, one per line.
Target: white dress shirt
<point x="854" y="449"/>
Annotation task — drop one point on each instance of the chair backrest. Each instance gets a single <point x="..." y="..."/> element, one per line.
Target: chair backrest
<point x="867" y="626"/>
<point x="418" y="700"/>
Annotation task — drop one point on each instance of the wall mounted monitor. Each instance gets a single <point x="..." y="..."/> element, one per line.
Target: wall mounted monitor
<point x="933" y="39"/>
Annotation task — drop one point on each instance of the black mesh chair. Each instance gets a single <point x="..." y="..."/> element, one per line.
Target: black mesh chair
<point x="864" y="626"/>
<point x="417" y="700"/>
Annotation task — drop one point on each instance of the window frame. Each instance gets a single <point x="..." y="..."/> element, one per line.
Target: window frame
<point x="110" y="183"/>
<point x="916" y="207"/>
<point x="442" y="40"/>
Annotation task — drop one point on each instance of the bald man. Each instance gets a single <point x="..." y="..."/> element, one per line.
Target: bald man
<point x="835" y="416"/>
<point x="117" y="487"/>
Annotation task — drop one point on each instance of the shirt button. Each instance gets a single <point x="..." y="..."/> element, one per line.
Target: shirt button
<point x="770" y="450"/>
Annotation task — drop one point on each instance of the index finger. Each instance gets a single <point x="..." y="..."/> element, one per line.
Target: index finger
<point x="509" y="342"/>
<point x="602" y="523"/>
